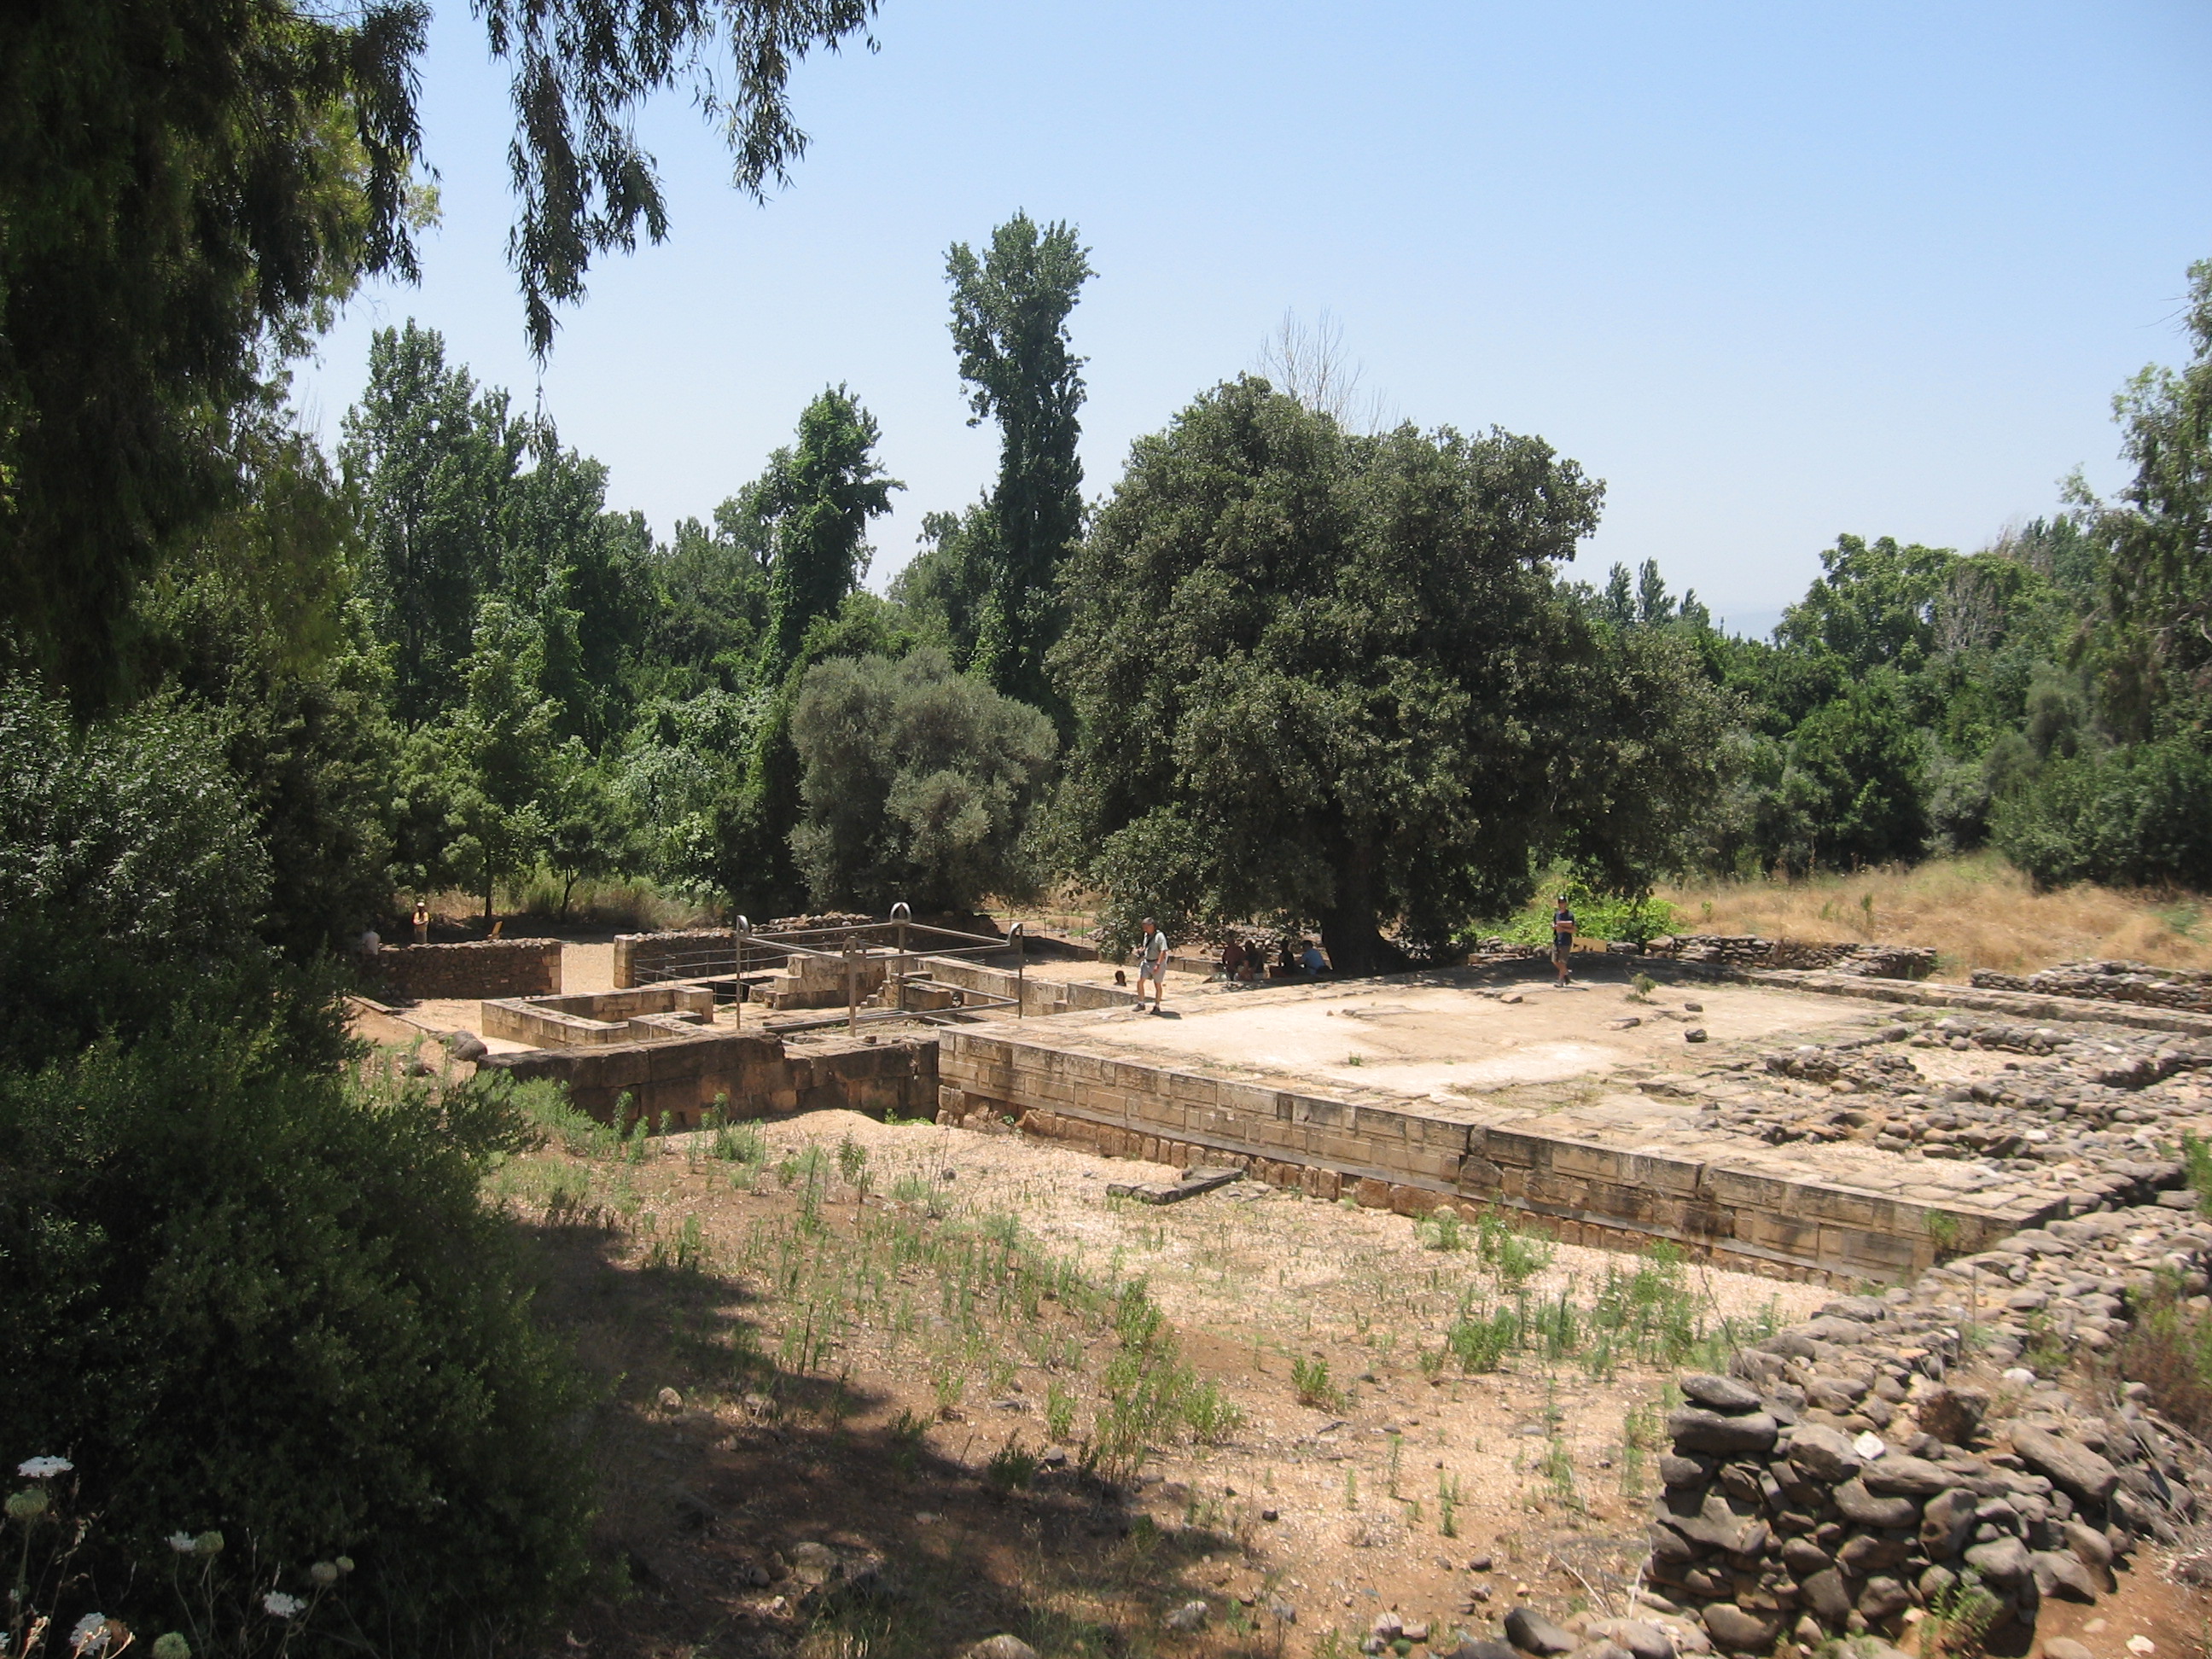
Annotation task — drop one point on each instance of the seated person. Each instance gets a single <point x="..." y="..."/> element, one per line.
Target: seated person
<point x="1232" y="960"/>
<point x="1311" y="959"/>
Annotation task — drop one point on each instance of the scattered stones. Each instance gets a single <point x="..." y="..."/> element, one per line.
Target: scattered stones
<point x="1188" y="1618"/>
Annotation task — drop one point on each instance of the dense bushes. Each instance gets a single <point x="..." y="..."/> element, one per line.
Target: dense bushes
<point x="918" y="783"/>
<point x="243" y="1297"/>
<point x="2138" y="817"/>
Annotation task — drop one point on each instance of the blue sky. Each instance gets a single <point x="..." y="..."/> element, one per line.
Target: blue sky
<point x="1773" y="271"/>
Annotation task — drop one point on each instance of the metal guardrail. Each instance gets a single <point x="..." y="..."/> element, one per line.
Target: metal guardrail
<point x="756" y="954"/>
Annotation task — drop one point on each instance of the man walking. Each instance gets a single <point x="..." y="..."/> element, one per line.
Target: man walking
<point x="1563" y="938"/>
<point x="1152" y="964"/>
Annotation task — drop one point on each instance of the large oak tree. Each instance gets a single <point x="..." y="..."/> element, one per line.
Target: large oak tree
<point x="1326" y="677"/>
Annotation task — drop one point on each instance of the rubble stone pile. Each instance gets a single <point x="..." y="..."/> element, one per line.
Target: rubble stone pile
<point x="2106" y="1094"/>
<point x="2109" y="982"/>
<point x="1846" y="1477"/>
<point x="1749" y="950"/>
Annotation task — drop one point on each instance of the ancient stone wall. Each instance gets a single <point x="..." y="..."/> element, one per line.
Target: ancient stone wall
<point x="1040" y="997"/>
<point x="2111" y="981"/>
<point x="1749" y="950"/>
<point x="593" y="1018"/>
<point x="482" y="968"/>
<point x="674" y="1084"/>
<point x="1842" y="1480"/>
<point x="701" y="952"/>
<point x="1413" y="1162"/>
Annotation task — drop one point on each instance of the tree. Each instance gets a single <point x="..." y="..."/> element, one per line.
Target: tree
<point x="185" y="186"/>
<point x="485" y="772"/>
<point x="1010" y="312"/>
<point x="433" y="459"/>
<point x="918" y="783"/>
<point x="1320" y="676"/>
<point x="818" y="495"/>
<point x="2156" y="644"/>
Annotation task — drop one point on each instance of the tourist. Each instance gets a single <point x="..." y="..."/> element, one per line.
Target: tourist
<point x="1563" y="938"/>
<point x="1152" y="963"/>
<point x="1234" y="963"/>
<point x="1311" y="959"/>
<point x="422" y="922"/>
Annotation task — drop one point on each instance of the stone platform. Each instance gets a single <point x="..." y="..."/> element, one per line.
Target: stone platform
<point x="1586" y="1108"/>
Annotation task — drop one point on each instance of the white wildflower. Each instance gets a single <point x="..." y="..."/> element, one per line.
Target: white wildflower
<point x="90" y="1635"/>
<point x="43" y="1468"/>
<point x="283" y="1606"/>
<point x="183" y="1542"/>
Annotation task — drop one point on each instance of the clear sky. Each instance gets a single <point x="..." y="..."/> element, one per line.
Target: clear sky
<point x="1774" y="272"/>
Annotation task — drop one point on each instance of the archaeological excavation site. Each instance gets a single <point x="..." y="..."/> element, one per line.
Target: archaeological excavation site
<point x="1736" y="1296"/>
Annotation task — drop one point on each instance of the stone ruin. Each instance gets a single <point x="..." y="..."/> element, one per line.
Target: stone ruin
<point x="2111" y="981"/>
<point x="1842" y="1481"/>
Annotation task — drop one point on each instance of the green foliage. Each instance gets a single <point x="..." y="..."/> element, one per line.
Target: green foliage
<point x="2139" y="816"/>
<point x="918" y="784"/>
<point x="1310" y="1382"/>
<point x="1010" y="311"/>
<point x="1597" y="915"/>
<point x="1320" y="674"/>
<point x="247" y="1294"/>
<point x="484" y="778"/>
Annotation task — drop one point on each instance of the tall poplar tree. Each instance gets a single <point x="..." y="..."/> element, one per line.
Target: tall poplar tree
<point x="1010" y="311"/>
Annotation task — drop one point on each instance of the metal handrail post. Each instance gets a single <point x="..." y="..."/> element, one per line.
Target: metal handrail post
<point x="739" y="932"/>
<point x="852" y="987"/>
<point x="1017" y="938"/>
<point x="900" y="915"/>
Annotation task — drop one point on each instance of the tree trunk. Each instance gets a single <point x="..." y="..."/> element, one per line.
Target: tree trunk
<point x="1350" y="932"/>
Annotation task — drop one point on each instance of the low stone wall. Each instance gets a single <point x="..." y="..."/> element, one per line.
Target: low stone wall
<point x="482" y="968"/>
<point x="1414" y="1162"/>
<point x="2111" y="981"/>
<point x="1749" y="950"/>
<point x="675" y="1084"/>
<point x="1845" y="1478"/>
<point x="1039" y="998"/>
<point x="593" y="1018"/>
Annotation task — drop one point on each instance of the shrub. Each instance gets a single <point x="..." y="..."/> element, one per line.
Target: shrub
<point x="919" y="783"/>
<point x="247" y="1296"/>
<point x="2137" y="816"/>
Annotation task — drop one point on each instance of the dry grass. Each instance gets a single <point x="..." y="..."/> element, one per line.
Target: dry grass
<point x="1976" y="912"/>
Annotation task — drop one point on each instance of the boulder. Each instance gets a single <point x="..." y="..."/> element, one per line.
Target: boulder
<point x="2069" y="1465"/>
<point x="2065" y="1647"/>
<point x="1863" y="1508"/>
<point x="1882" y="1598"/>
<point x="1824" y="1453"/>
<point x="1826" y="1593"/>
<point x="1952" y="1414"/>
<point x="1737" y="1631"/>
<point x="2003" y="1562"/>
<point x="1869" y="1553"/>
<point x="1001" y="1646"/>
<point x="1532" y="1633"/>
<point x="1695" y="1428"/>
<point x="1897" y="1476"/>
<point x="1189" y="1618"/>
<point x="1675" y="1470"/>
<point x="1722" y="1394"/>
<point x="2062" y="1574"/>
<point x="1946" y="1522"/>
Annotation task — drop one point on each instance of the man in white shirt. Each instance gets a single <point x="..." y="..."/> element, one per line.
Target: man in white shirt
<point x="1152" y="964"/>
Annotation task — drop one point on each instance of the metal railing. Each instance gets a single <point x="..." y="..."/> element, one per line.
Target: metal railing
<point x="753" y="955"/>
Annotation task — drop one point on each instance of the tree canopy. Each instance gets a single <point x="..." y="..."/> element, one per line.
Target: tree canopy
<point x="1330" y="677"/>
